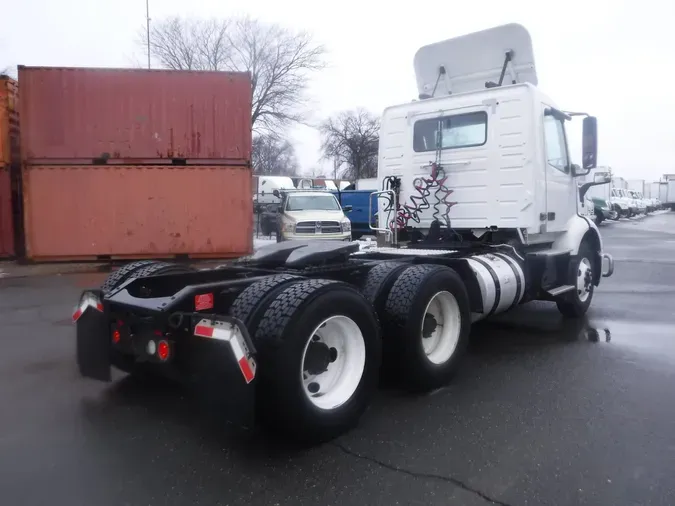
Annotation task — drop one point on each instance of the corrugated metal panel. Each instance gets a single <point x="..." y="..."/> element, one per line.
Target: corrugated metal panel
<point x="80" y="115"/>
<point x="6" y="223"/>
<point x="137" y="211"/>
<point x="9" y="121"/>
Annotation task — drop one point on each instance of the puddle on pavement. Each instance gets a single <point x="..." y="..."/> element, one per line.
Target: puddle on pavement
<point x="653" y="337"/>
<point x="537" y="327"/>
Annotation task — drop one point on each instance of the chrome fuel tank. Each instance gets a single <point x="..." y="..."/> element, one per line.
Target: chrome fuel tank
<point x="501" y="279"/>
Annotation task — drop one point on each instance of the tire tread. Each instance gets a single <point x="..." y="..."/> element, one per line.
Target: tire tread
<point x="117" y="277"/>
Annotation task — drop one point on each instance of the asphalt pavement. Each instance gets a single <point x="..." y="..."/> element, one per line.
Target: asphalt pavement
<point x="542" y="412"/>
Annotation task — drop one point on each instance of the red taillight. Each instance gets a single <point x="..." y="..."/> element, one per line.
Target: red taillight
<point x="116" y="336"/>
<point x="203" y="301"/>
<point x="163" y="350"/>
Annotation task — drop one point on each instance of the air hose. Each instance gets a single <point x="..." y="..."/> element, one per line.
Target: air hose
<point x="418" y="201"/>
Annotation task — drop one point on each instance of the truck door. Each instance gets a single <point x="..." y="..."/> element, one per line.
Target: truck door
<point x="561" y="190"/>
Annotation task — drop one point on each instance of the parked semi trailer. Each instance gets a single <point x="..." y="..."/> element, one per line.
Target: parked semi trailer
<point x="670" y="194"/>
<point x="305" y="327"/>
<point x="663" y="193"/>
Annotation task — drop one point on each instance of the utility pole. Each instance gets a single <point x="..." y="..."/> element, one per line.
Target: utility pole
<point x="147" y="26"/>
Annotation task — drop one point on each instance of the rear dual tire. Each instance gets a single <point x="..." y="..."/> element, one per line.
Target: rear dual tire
<point x="426" y="324"/>
<point x="319" y="352"/>
<point x="319" y="346"/>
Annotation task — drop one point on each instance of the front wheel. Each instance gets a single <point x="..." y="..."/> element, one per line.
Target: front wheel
<point x="576" y="302"/>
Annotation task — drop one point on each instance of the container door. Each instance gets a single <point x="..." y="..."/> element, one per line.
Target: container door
<point x="561" y="189"/>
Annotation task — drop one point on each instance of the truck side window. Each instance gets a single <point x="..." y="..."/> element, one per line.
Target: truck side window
<point x="450" y="132"/>
<point x="556" y="149"/>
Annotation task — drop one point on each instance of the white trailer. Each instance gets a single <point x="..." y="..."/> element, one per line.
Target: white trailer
<point x="264" y="197"/>
<point x="637" y="185"/>
<point x="601" y="191"/>
<point x="670" y="194"/>
<point x="367" y="184"/>
<point x="619" y="182"/>
<point x="663" y="192"/>
<point x="481" y="210"/>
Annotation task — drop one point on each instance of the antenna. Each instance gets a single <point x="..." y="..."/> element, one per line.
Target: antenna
<point x="147" y="27"/>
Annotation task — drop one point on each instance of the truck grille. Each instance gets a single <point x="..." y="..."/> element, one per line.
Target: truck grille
<point x="318" y="227"/>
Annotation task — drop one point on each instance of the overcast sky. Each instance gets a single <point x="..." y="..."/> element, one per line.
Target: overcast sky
<point x="614" y="59"/>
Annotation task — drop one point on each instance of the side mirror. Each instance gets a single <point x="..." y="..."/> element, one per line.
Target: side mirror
<point x="589" y="150"/>
<point x="280" y="209"/>
<point x="275" y="193"/>
<point x="347" y="209"/>
<point x="578" y="171"/>
<point x="602" y="177"/>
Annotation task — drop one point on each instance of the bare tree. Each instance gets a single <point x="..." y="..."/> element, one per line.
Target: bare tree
<point x="273" y="156"/>
<point x="351" y="141"/>
<point x="198" y="44"/>
<point x="280" y="60"/>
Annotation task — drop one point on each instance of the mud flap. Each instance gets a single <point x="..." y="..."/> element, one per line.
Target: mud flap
<point x="224" y="367"/>
<point x="93" y="339"/>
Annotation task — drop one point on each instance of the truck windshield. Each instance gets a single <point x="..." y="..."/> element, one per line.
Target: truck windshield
<point x="312" y="203"/>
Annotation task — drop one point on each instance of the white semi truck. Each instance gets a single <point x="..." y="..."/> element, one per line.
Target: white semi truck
<point x="479" y="211"/>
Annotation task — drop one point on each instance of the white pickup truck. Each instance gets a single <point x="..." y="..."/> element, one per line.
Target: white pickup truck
<point x="310" y="215"/>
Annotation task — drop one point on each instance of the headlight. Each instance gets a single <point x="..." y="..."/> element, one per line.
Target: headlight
<point x="346" y="226"/>
<point x="288" y="226"/>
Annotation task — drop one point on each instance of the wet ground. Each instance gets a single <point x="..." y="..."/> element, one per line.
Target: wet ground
<point x="542" y="412"/>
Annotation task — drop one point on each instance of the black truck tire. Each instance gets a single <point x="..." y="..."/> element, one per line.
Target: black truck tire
<point x="116" y="278"/>
<point x="379" y="281"/>
<point x="575" y="304"/>
<point x="423" y="300"/>
<point x="250" y="304"/>
<point x="160" y="268"/>
<point x="310" y="326"/>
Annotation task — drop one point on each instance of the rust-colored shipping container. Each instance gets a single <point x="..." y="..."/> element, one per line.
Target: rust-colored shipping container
<point x="86" y="115"/>
<point x="93" y="212"/>
<point x="6" y="216"/>
<point x="9" y="121"/>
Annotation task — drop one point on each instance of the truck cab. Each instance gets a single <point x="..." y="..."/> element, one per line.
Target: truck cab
<point x="640" y="201"/>
<point x="363" y="210"/>
<point x="622" y="203"/>
<point x="502" y="148"/>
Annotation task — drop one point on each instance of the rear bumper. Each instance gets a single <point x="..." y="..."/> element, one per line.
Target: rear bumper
<point x="205" y="363"/>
